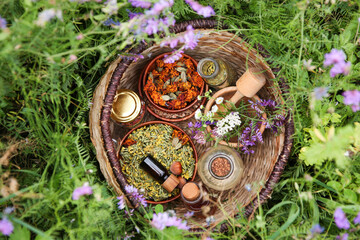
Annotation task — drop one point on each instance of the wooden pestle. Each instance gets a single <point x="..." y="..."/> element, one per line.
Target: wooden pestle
<point x="247" y="86"/>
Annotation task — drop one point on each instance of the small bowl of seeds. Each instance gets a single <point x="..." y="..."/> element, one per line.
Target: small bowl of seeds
<point x="165" y="142"/>
<point x="173" y="87"/>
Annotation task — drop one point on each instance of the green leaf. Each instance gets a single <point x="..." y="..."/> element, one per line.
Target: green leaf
<point x="335" y="185"/>
<point x="100" y="17"/>
<point x="159" y="208"/>
<point x="350" y="195"/>
<point x="20" y="233"/>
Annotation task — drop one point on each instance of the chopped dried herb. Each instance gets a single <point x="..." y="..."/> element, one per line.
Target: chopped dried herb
<point x="156" y="140"/>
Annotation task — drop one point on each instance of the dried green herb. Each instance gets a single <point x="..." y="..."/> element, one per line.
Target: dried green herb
<point x="155" y="140"/>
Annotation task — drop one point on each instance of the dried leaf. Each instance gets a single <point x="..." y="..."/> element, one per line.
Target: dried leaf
<point x="166" y="84"/>
<point x="151" y="76"/>
<point x="180" y="64"/>
<point x="183" y="77"/>
<point x="172" y="96"/>
<point x="181" y="69"/>
<point x="165" y="97"/>
<point x="178" y="145"/>
<point x="175" y="141"/>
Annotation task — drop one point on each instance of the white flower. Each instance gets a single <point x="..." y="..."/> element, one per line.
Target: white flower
<point x="308" y="65"/>
<point x="219" y="100"/>
<point x="46" y="15"/>
<point x="202" y="107"/>
<point x="228" y="123"/>
<point x="199" y="97"/>
<point x="198" y="114"/>
<point x="209" y="114"/>
<point x="111" y="7"/>
<point x="214" y="108"/>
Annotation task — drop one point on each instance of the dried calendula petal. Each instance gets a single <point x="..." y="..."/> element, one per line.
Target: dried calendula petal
<point x="166" y="84"/>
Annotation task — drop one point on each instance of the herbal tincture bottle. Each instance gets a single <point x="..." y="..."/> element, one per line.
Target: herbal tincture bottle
<point x="193" y="197"/>
<point x="159" y="173"/>
<point x="216" y="73"/>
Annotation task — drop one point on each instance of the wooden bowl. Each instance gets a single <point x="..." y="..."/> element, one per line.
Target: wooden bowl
<point x="174" y="127"/>
<point x="227" y="93"/>
<point x="151" y="67"/>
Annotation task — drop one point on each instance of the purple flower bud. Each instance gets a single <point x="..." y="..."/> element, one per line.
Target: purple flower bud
<point x="200" y="9"/>
<point x="357" y="219"/>
<point x="140" y="3"/>
<point x="3" y="23"/>
<point x="6" y="227"/>
<point x="340" y="219"/>
<point x="190" y="124"/>
<point x="334" y="57"/>
<point x="317" y="229"/>
<point x="352" y="98"/>
<point x="85" y="189"/>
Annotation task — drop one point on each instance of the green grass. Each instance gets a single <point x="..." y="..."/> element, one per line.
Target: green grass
<point x="44" y="106"/>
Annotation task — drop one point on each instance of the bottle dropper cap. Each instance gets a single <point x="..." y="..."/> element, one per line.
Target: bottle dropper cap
<point x="190" y="191"/>
<point x="170" y="183"/>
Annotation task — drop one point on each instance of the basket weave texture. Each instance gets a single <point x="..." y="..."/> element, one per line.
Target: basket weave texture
<point x="263" y="168"/>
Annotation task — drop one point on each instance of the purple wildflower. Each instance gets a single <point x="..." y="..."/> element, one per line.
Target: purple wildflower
<point x="321" y="92"/>
<point x="357" y="219"/>
<point x="208" y="122"/>
<point x="190" y="39"/>
<point x="129" y="213"/>
<point x="131" y="57"/>
<point x="352" y="98"/>
<point x="343" y="236"/>
<point x="200" y="9"/>
<point x="334" y="57"/>
<point x="173" y="57"/>
<point x="3" y="23"/>
<point x="111" y="22"/>
<point x="200" y="137"/>
<point x="190" y="125"/>
<point x="152" y="26"/>
<point x="162" y="220"/>
<point x="172" y="42"/>
<point x="340" y="68"/>
<point x="140" y="3"/>
<point x="135" y="195"/>
<point x="340" y="219"/>
<point x="159" y="7"/>
<point x="198" y="124"/>
<point x="85" y="189"/>
<point x="189" y="214"/>
<point x="6" y="227"/>
<point x="80" y="36"/>
<point x="317" y="229"/>
<point x="132" y="14"/>
<point x="121" y="204"/>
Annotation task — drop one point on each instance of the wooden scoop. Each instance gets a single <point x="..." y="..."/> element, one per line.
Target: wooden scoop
<point x="248" y="85"/>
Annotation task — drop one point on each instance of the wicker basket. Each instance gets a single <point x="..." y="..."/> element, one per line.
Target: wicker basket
<point x="264" y="166"/>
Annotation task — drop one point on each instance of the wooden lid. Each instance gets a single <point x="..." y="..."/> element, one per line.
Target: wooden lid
<point x="170" y="183"/>
<point x="190" y="191"/>
<point x="182" y="182"/>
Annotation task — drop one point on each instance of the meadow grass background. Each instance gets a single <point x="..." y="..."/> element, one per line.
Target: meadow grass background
<point x="45" y="100"/>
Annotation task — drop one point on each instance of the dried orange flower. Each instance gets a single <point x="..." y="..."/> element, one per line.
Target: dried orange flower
<point x="128" y="142"/>
<point x="174" y="85"/>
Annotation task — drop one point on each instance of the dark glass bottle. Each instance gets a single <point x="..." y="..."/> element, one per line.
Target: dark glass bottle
<point x="159" y="173"/>
<point x="197" y="199"/>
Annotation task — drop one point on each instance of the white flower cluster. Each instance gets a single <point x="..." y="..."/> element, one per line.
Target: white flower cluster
<point x="228" y="123"/>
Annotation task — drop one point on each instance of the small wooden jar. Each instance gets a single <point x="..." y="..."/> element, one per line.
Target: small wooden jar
<point x="127" y="109"/>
